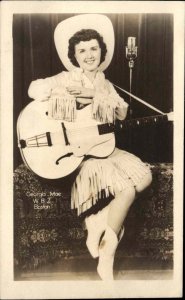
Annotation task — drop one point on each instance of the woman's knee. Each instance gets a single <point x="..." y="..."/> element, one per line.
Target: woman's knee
<point x="146" y="181"/>
<point x="129" y="193"/>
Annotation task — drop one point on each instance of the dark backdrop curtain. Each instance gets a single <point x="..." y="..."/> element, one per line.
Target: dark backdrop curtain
<point x="35" y="56"/>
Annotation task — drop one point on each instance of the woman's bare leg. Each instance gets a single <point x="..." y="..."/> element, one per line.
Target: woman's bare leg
<point x="118" y="210"/>
<point x="119" y="207"/>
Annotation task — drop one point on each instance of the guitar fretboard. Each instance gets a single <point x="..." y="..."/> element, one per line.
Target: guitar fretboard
<point x="105" y="128"/>
<point x="142" y="121"/>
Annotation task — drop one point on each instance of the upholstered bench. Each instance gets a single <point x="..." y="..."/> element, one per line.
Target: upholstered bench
<point x="46" y="229"/>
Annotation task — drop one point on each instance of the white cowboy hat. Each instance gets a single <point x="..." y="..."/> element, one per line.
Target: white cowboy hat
<point x="67" y="28"/>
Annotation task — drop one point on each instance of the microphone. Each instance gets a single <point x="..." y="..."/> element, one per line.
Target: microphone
<point x="131" y="54"/>
<point x="131" y="50"/>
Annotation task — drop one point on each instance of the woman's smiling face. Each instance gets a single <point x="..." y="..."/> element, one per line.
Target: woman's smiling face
<point x="88" y="55"/>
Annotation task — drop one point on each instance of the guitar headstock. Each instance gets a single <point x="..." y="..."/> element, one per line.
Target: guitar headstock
<point x="170" y="116"/>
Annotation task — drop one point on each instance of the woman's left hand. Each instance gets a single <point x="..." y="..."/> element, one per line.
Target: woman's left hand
<point x="121" y="113"/>
<point x="80" y="92"/>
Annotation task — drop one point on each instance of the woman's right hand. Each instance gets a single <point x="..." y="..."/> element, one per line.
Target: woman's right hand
<point x="80" y="92"/>
<point x="83" y="95"/>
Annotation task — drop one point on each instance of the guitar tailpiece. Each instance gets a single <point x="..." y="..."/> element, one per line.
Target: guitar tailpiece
<point x="22" y="144"/>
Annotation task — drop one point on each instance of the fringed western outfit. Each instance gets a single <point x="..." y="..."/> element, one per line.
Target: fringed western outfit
<point x="95" y="176"/>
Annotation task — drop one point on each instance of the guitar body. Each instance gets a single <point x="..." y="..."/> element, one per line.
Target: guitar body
<point x="54" y="148"/>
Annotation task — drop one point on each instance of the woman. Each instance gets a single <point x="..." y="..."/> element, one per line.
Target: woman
<point x="85" y="45"/>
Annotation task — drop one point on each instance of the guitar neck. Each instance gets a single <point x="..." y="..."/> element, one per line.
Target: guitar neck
<point x="107" y="128"/>
<point x="142" y="121"/>
<point x="44" y="139"/>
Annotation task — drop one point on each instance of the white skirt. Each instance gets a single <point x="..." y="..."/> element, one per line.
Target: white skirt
<point x="115" y="173"/>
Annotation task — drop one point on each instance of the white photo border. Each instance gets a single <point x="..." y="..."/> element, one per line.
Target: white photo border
<point x="11" y="289"/>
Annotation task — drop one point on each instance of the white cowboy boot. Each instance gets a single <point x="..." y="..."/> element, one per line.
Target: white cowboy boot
<point x="96" y="225"/>
<point x="107" y="251"/>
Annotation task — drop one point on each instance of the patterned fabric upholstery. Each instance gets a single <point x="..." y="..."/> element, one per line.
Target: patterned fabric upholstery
<point x="46" y="229"/>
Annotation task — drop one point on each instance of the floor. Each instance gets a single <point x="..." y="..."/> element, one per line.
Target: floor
<point x="85" y="269"/>
<point x="84" y="276"/>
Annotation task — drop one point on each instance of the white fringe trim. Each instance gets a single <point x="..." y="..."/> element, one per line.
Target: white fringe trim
<point x="104" y="107"/>
<point x="131" y="165"/>
<point x="115" y="173"/>
<point x="62" y="108"/>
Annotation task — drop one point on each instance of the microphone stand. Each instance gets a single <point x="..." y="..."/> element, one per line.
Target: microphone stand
<point x="131" y="55"/>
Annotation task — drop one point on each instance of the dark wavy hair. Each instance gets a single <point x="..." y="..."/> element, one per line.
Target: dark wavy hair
<point x="85" y="35"/>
